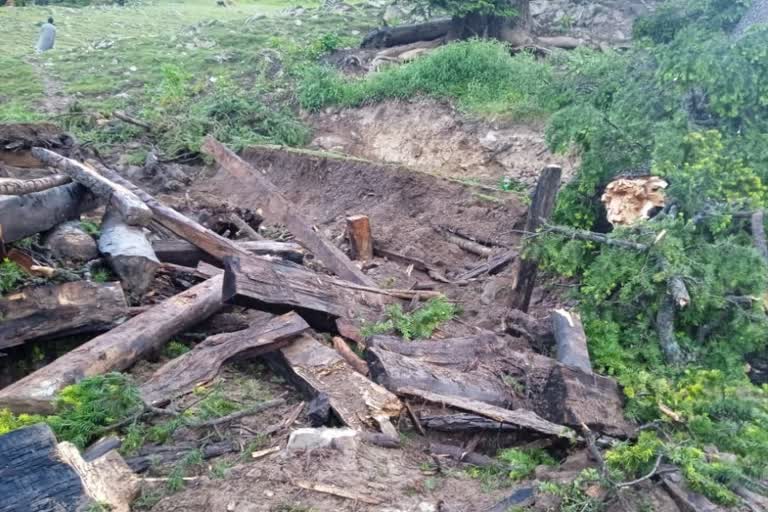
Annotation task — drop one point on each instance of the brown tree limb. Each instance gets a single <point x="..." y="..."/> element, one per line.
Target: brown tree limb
<point x="14" y="187"/>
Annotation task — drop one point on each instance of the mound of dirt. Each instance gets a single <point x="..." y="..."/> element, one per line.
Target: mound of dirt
<point x="432" y="137"/>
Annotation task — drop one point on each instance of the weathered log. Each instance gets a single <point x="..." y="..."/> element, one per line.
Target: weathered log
<point x="128" y="252"/>
<point x="542" y="206"/>
<point x="40" y="475"/>
<point x="181" y="252"/>
<point x="14" y="187"/>
<point x="451" y="352"/>
<point x="202" y="363"/>
<point x="349" y="356"/>
<point x="360" y="239"/>
<point x="386" y="37"/>
<point x="115" y="350"/>
<point x="316" y="369"/>
<point x="280" y="210"/>
<point x="571" y="340"/>
<point x="495" y="264"/>
<point x="131" y="208"/>
<point x="152" y="456"/>
<point x="467" y="244"/>
<point x="280" y="286"/>
<point x="102" y="447"/>
<point x="559" y="393"/>
<point x="60" y="310"/>
<point x="524" y="418"/>
<point x="461" y="455"/>
<point x="27" y="215"/>
<point x="464" y="422"/>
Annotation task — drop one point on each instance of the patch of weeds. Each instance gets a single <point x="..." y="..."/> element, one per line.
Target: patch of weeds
<point x="215" y="405"/>
<point x="147" y="500"/>
<point x="9" y="421"/>
<point x="11" y="275"/>
<point x="573" y="495"/>
<point x="417" y="324"/>
<point x="257" y="443"/>
<point x="328" y="43"/>
<point x="432" y="483"/>
<point x="98" y="507"/>
<point x="220" y="469"/>
<point x="181" y="469"/>
<point x="174" y="349"/>
<point x="521" y="463"/>
<point x="136" y="157"/>
<point x="91" y="227"/>
<point x="102" y="275"/>
<point x="292" y="507"/>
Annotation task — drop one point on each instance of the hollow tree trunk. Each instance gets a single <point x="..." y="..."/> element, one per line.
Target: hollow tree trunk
<point x="491" y="26"/>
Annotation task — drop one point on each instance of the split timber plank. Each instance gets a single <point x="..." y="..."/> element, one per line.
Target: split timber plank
<point x="131" y="208"/>
<point x="114" y="350"/>
<point x="27" y="215"/>
<point x="181" y="252"/>
<point x="62" y="310"/>
<point x="280" y="210"/>
<point x="202" y="363"/>
<point x="317" y="369"/>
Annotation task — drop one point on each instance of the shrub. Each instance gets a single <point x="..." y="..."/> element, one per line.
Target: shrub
<point x="418" y="324"/>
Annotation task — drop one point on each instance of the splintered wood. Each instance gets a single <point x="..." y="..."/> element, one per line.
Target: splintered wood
<point x="356" y="400"/>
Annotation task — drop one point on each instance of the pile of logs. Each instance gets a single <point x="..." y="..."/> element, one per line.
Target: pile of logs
<point x="475" y="383"/>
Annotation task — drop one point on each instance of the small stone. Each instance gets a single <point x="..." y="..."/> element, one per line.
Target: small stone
<point x="313" y="438"/>
<point x="70" y="242"/>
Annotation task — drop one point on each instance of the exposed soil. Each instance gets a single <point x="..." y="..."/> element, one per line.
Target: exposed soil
<point x="433" y="137"/>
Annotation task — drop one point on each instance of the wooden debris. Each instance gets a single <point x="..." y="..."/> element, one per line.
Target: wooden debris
<point x="128" y="252"/>
<point x="70" y="242"/>
<point x="571" y="340"/>
<point x="495" y="264"/>
<point x="386" y="37"/>
<point x="465" y="422"/>
<point x="131" y="120"/>
<point x="202" y="364"/>
<point x="336" y="491"/>
<point x="14" y="187"/>
<point x="184" y="253"/>
<point x="542" y="206"/>
<point x="41" y="475"/>
<point x="461" y="455"/>
<point x="152" y="456"/>
<point x="130" y="207"/>
<point x="360" y="238"/>
<point x="316" y="369"/>
<point x="521" y="417"/>
<point x="62" y="310"/>
<point x="280" y="210"/>
<point x="115" y="350"/>
<point x="260" y="454"/>
<point x="27" y="215"/>
<point x="467" y="244"/>
<point x="349" y="356"/>
<point x="102" y="447"/>
<point x="244" y="228"/>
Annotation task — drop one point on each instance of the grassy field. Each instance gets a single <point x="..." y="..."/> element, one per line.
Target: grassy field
<point x="109" y="57"/>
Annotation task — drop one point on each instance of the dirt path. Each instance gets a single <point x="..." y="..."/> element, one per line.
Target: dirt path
<point x="54" y="100"/>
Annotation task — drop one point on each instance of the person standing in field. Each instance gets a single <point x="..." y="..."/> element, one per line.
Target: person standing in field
<point x="47" y="36"/>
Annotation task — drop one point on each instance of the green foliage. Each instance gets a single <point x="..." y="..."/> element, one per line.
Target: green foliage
<point x="181" y="469"/>
<point x="91" y="227"/>
<point x="84" y="409"/>
<point x="418" y="324"/>
<point x="521" y="463"/>
<point x="467" y="7"/>
<point x="481" y="75"/>
<point x="102" y="275"/>
<point x="9" y="421"/>
<point x="11" y="275"/>
<point x="328" y="43"/>
<point x="573" y="496"/>
<point x="175" y="349"/>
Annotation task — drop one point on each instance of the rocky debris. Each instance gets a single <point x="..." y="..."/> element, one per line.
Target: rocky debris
<point x="314" y="438"/>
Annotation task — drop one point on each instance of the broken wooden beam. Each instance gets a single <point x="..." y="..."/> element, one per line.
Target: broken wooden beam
<point x="114" y="350"/>
<point x="360" y="238"/>
<point x="15" y="187"/>
<point x="354" y="360"/>
<point x="131" y="208"/>
<point x="464" y="422"/>
<point x="27" y="215"/>
<point x="128" y="252"/>
<point x="570" y="340"/>
<point x="202" y="363"/>
<point x="60" y="310"/>
<point x="541" y="209"/>
<point x="280" y="210"/>
<point x="181" y="252"/>
<point x="316" y="368"/>
<point x="42" y="475"/>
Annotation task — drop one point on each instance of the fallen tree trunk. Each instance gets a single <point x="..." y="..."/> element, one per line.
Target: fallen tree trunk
<point x="464" y="422"/>
<point x="202" y="363"/>
<point x="386" y="37"/>
<point x="61" y="310"/>
<point x="131" y="208"/>
<point x="115" y="350"/>
<point x="452" y="352"/>
<point x="317" y="369"/>
<point x="13" y="187"/>
<point x="128" y="252"/>
<point x="280" y="210"/>
<point x="571" y="340"/>
<point x="558" y="393"/>
<point x="27" y="215"/>
<point x="152" y="456"/>
<point x="181" y="252"/>
<point x="40" y="475"/>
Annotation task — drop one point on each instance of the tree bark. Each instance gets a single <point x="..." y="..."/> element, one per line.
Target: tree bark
<point x="317" y="369"/>
<point x="571" y="340"/>
<point x="181" y="252"/>
<point x="130" y="207"/>
<point x="387" y="37"/>
<point x="128" y="252"/>
<point x="465" y="422"/>
<point x="360" y="239"/>
<point x="542" y="206"/>
<point x="203" y="363"/>
<point x="61" y="310"/>
<point x="280" y="210"/>
<point x="13" y="187"/>
<point x="115" y="350"/>
<point x="27" y="215"/>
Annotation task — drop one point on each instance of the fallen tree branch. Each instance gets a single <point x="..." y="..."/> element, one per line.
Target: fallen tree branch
<point x="589" y="236"/>
<point x="645" y="477"/>
<point x="237" y="415"/>
<point x="14" y="187"/>
<point x="132" y="120"/>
